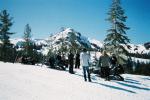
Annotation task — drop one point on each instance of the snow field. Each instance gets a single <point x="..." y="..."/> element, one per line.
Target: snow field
<point x="27" y="82"/>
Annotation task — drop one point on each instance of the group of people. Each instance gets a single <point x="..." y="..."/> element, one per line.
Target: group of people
<point x="105" y="62"/>
<point x="59" y="60"/>
<point x="83" y="59"/>
<point x="72" y="61"/>
<point x="109" y="65"/>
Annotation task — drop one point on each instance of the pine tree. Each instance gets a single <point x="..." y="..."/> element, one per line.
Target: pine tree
<point x="6" y="46"/>
<point x="117" y="33"/>
<point x="28" y="46"/>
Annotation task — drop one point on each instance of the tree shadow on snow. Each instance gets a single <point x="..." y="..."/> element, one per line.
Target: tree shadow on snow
<point x="132" y="81"/>
<point x="133" y="86"/>
<point x="114" y="87"/>
<point x="124" y="83"/>
<point x="109" y="86"/>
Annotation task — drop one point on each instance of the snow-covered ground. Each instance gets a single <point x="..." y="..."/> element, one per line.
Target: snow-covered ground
<point x="27" y="82"/>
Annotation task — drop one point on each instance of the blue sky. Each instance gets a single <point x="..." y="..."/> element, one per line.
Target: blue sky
<point x="86" y="16"/>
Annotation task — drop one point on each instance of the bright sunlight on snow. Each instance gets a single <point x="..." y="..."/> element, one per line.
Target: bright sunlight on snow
<point x="27" y="82"/>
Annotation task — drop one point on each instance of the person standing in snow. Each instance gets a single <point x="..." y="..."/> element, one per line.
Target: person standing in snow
<point x="85" y="61"/>
<point x="52" y="61"/>
<point x="104" y="62"/>
<point x="113" y="61"/>
<point x="70" y="62"/>
<point x="59" y="61"/>
<point x="77" y="60"/>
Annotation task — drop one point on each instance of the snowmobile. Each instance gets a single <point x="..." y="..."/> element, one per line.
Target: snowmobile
<point x="115" y="73"/>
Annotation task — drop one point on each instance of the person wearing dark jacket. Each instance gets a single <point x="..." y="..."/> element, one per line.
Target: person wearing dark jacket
<point x="104" y="62"/>
<point x="59" y="61"/>
<point x="70" y="61"/>
<point x="116" y="68"/>
<point x="51" y="61"/>
<point x="77" y="61"/>
<point x="113" y="61"/>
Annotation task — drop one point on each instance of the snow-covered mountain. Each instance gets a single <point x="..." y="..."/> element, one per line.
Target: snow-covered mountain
<point x="140" y="48"/>
<point x="68" y="34"/>
<point x="138" y="53"/>
<point x="28" y="82"/>
<point x="65" y="36"/>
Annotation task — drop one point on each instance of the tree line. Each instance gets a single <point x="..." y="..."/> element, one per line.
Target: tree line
<point x="8" y="51"/>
